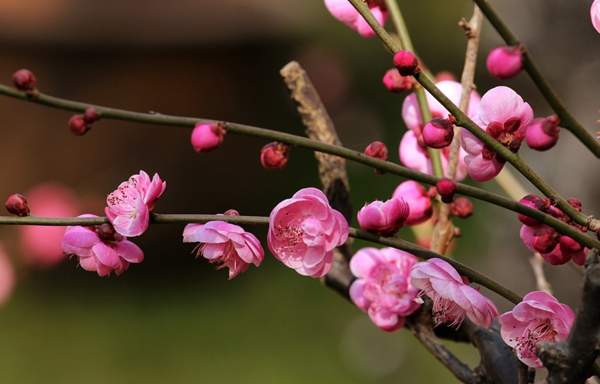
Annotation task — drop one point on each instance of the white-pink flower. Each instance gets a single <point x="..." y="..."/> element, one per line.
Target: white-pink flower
<point x="383" y="288"/>
<point x="595" y="15"/>
<point x="347" y="14"/>
<point x="304" y="230"/>
<point x="503" y="115"/>
<point x="453" y="299"/>
<point x="129" y="206"/>
<point x="539" y="317"/>
<point x="225" y="244"/>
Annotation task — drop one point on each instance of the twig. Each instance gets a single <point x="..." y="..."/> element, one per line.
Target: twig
<point x="537" y="265"/>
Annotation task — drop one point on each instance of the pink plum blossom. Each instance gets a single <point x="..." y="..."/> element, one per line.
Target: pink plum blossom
<point x="40" y="245"/>
<point x="225" y="244"/>
<point x="419" y="202"/>
<point x="8" y="277"/>
<point x="595" y="15"/>
<point x="384" y="218"/>
<point x="347" y="14"/>
<point x="383" y="288"/>
<point x="453" y="300"/>
<point x="129" y="206"/>
<point x="542" y="133"/>
<point x="503" y="115"/>
<point x="304" y="230"/>
<point x="505" y="62"/>
<point x="100" y="249"/>
<point x="539" y="317"/>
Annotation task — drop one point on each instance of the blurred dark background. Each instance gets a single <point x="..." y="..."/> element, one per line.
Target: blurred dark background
<point x="175" y="318"/>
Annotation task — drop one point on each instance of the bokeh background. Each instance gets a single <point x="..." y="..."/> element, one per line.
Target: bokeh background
<point x="174" y="318"/>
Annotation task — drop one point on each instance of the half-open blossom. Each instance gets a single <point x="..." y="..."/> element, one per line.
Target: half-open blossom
<point x="206" y="137"/>
<point x="225" y="244"/>
<point x="542" y="133"/>
<point x="595" y="14"/>
<point x="304" y="230"/>
<point x="503" y="115"/>
<point x="453" y="300"/>
<point x="100" y="250"/>
<point x="347" y="14"/>
<point x="8" y="277"/>
<point x="383" y="289"/>
<point x="129" y="206"/>
<point x="539" y="317"/>
<point x="505" y="62"/>
<point x="419" y="202"/>
<point x="384" y="218"/>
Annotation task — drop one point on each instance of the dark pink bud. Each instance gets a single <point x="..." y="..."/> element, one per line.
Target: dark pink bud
<point x="17" y="205"/>
<point x="569" y="245"/>
<point x="445" y="76"/>
<point x="24" y="80"/>
<point x="505" y="62"/>
<point x="446" y="189"/>
<point x="91" y="115"/>
<point x="377" y="149"/>
<point x="533" y="202"/>
<point x="395" y="82"/>
<point x="575" y="203"/>
<point x="107" y="232"/>
<point x="542" y="133"/>
<point x="461" y="207"/>
<point x="206" y="137"/>
<point x="545" y="242"/>
<point x="556" y="256"/>
<point x="78" y="126"/>
<point x="438" y="133"/>
<point x="274" y="155"/>
<point x="406" y="62"/>
<point x="231" y="212"/>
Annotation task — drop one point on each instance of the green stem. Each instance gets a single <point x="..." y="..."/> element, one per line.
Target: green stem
<point x="566" y="118"/>
<point x="359" y="157"/>
<point x="464" y="121"/>
<point x="157" y="218"/>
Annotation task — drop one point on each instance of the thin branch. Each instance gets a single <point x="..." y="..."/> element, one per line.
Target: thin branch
<point x="566" y="118"/>
<point x="384" y="166"/>
<point x="537" y="265"/>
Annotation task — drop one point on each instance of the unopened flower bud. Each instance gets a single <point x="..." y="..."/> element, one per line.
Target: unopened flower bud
<point x="231" y="212"/>
<point x="575" y="203"/>
<point x="17" y="205"/>
<point x="545" y="242"/>
<point x="569" y="245"/>
<point x="91" y="115"/>
<point x="274" y="155"/>
<point x="461" y="207"/>
<point x="206" y="137"/>
<point x="106" y="232"/>
<point x="78" y="126"/>
<point x="438" y="133"/>
<point x="505" y="62"/>
<point x="377" y="149"/>
<point x="533" y="202"/>
<point x="406" y="62"/>
<point x="395" y="82"/>
<point x="542" y="133"/>
<point x="446" y="188"/>
<point x="24" y="80"/>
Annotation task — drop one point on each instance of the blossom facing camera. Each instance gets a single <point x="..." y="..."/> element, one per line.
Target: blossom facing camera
<point x="274" y="155"/>
<point x="206" y="137"/>
<point x="419" y="202"/>
<point x="393" y="81"/>
<point x="225" y="244"/>
<point x="382" y="288"/>
<point x="384" y="218"/>
<point x="505" y="62"/>
<point x="24" y="80"/>
<point x="99" y="252"/>
<point x="453" y="300"/>
<point x="17" y="205"/>
<point x="538" y="318"/>
<point x="304" y="230"/>
<point x="542" y="134"/>
<point x="438" y="133"/>
<point x="377" y="149"/>
<point x="129" y="206"/>
<point x="406" y="63"/>
<point x="345" y="12"/>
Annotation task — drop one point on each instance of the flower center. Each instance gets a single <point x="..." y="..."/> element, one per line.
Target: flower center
<point x="542" y="331"/>
<point x="447" y="312"/>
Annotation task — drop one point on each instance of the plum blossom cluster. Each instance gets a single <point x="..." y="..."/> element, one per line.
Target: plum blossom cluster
<point x="554" y="247"/>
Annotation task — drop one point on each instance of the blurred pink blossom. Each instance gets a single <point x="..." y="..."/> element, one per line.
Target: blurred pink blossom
<point x="347" y="14"/>
<point x="8" y="277"/>
<point x="595" y="14"/>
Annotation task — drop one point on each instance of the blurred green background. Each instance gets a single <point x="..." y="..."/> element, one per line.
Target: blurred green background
<point x="173" y="318"/>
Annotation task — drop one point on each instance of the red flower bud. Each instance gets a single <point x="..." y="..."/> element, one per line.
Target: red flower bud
<point x="542" y="133"/>
<point x="377" y="149"/>
<point x="569" y="245"/>
<point x="545" y="242"/>
<point x="78" y="126"/>
<point x="406" y="62"/>
<point x="91" y="115"/>
<point x="461" y="207"/>
<point x="274" y="155"/>
<point x="446" y="189"/>
<point x="395" y="82"/>
<point x="17" y="205"/>
<point x="438" y="133"/>
<point x="24" y="80"/>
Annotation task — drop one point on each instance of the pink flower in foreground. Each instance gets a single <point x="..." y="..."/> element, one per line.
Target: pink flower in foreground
<point x="100" y="249"/>
<point x="503" y="115"/>
<point x="347" y="14"/>
<point x="383" y="288"/>
<point x="595" y="15"/>
<point x="225" y="244"/>
<point x="538" y="318"/>
<point x="8" y="277"/>
<point x="453" y="300"/>
<point x="129" y="206"/>
<point x="385" y="218"/>
<point x="419" y="202"/>
<point x="505" y="62"/>
<point x="304" y="230"/>
<point x="40" y="245"/>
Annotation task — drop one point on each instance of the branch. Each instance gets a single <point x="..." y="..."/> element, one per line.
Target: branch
<point x="384" y="166"/>
<point x="567" y="120"/>
<point x="572" y="361"/>
<point x="537" y="265"/>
